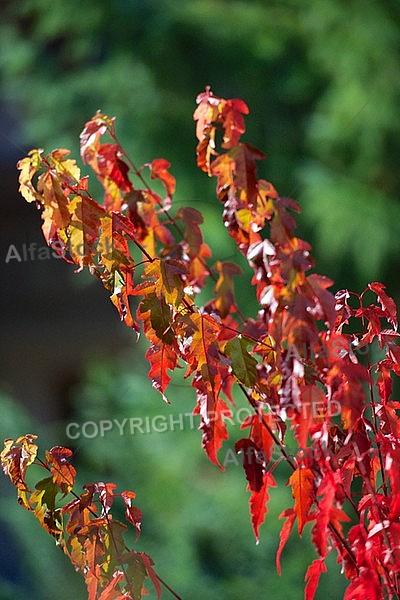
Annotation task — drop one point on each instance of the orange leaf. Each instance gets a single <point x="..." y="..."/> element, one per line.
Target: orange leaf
<point x="159" y="170"/>
<point x="302" y="482"/>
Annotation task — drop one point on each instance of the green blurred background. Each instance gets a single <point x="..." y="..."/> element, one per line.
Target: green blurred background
<point x="322" y="82"/>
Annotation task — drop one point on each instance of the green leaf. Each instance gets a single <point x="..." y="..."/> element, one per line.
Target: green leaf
<point x="46" y="512"/>
<point x="243" y="364"/>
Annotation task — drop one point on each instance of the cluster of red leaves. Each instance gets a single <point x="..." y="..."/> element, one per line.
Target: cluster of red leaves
<point x="83" y="527"/>
<point x="297" y="362"/>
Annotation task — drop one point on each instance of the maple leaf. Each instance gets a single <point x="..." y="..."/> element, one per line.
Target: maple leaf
<point x="28" y="167"/>
<point x="326" y="511"/>
<point x="233" y="122"/>
<point x="252" y="464"/>
<point x="112" y="241"/>
<point x="224" y="288"/>
<point x="192" y="235"/>
<point x="156" y="315"/>
<point x="168" y="277"/>
<point x="200" y="350"/>
<point x="258" y="503"/>
<point x="84" y="229"/>
<point x="388" y="304"/>
<point x="224" y="168"/>
<point x="384" y="384"/>
<point x="111" y="591"/>
<point x="290" y="516"/>
<point x="344" y="384"/>
<point x="142" y="212"/>
<point x="106" y="495"/>
<point x="302" y="482"/>
<point x="79" y="511"/>
<point x="148" y="564"/>
<point x="261" y="425"/>
<point x="16" y="456"/>
<point x="132" y="513"/>
<point x="162" y="358"/>
<point x="343" y="311"/>
<point x="214" y="412"/>
<point x="207" y="112"/>
<point x="109" y="164"/>
<point x="237" y="170"/>
<point x="98" y="125"/>
<point x="313" y="410"/>
<point x="159" y="170"/>
<point x="62" y="471"/>
<point x="325" y="305"/>
<point x="243" y="364"/>
<point x="56" y="214"/>
<point x="312" y="577"/>
<point x="45" y="510"/>
<point x="119" y="283"/>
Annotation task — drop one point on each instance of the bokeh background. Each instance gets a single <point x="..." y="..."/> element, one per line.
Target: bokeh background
<point x="322" y="81"/>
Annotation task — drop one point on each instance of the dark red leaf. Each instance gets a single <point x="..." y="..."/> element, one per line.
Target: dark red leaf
<point x="253" y="463"/>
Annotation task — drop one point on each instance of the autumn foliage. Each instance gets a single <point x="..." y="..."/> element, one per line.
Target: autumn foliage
<point x="311" y="364"/>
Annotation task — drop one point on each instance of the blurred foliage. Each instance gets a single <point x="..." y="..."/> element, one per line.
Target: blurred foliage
<point x="321" y="79"/>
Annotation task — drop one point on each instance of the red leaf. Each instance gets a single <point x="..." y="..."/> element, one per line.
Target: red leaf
<point x="258" y="503"/>
<point x="260" y="434"/>
<point x="62" y="471"/>
<point x="233" y="122"/>
<point x="312" y="577"/>
<point x="109" y="164"/>
<point x="326" y="301"/>
<point x="148" y="564"/>
<point x="132" y="513"/>
<point x="326" y="489"/>
<point x="313" y="406"/>
<point x="159" y="170"/>
<point x="384" y="384"/>
<point x="214" y="413"/>
<point x="343" y="311"/>
<point x="106" y="495"/>
<point x="162" y="357"/>
<point x="93" y="130"/>
<point x="387" y="303"/>
<point x="290" y="516"/>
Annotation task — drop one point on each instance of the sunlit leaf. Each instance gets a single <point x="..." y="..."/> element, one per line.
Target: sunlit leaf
<point x="302" y="482"/>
